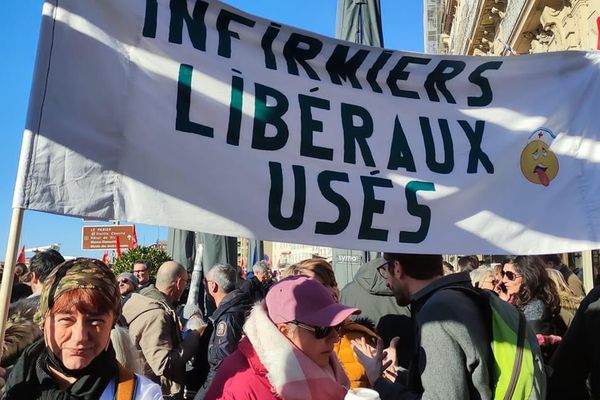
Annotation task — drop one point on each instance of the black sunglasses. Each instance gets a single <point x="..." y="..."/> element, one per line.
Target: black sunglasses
<point x="320" y="332"/>
<point x="511" y="276"/>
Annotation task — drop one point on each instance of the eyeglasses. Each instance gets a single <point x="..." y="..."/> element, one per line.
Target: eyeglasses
<point x="124" y="281"/>
<point x="383" y="271"/>
<point x="511" y="276"/>
<point x="320" y="332"/>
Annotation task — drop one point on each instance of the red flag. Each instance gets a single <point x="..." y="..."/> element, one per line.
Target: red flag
<point x="21" y="258"/>
<point x="118" y="239"/>
<point x="105" y="257"/>
<point x="134" y="243"/>
<point x="598" y="25"/>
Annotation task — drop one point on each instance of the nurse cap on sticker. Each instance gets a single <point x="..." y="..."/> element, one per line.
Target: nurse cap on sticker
<point x="538" y="162"/>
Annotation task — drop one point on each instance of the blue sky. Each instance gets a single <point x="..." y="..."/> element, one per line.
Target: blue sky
<point x="403" y="30"/>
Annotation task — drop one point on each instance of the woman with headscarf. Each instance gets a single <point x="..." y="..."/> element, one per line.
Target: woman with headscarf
<point x="288" y="349"/>
<point x="79" y="306"/>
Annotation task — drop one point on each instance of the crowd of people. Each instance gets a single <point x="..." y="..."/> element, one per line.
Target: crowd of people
<point x="408" y="326"/>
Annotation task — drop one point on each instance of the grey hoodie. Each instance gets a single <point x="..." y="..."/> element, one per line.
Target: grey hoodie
<point x="369" y="293"/>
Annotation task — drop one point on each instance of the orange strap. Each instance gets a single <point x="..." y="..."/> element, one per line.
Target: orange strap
<point x="126" y="384"/>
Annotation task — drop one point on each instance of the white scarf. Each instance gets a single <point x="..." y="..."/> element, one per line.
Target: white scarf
<point x="291" y="373"/>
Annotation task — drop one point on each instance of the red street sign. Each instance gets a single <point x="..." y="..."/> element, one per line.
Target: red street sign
<point x="105" y="237"/>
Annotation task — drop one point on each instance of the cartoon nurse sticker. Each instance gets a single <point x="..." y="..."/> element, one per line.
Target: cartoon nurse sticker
<point x="538" y="162"/>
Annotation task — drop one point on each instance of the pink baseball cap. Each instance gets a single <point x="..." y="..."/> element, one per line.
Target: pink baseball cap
<point x="303" y="299"/>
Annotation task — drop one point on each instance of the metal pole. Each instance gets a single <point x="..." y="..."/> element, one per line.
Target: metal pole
<point x="9" y="268"/>
<point x="196" y="282"/>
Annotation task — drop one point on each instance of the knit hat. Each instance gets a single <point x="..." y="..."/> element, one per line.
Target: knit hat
<point x="80" y="273"/>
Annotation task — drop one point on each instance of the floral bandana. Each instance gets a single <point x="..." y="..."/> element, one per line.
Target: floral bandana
<point x="80" y="273"/>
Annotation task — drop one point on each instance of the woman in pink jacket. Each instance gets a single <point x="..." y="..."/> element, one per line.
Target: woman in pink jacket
<point x="287" y="352"/>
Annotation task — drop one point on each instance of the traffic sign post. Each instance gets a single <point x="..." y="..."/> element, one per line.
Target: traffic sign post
<point x="104" y="237"/>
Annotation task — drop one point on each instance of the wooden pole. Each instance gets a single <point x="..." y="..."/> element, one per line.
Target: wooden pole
<point x="9" y="268"/>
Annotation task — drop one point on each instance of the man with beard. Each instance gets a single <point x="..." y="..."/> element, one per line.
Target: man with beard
<point x="452" y="356"/>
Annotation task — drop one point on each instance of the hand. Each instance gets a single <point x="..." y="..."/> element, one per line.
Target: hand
<point x="390" y="356"/>
<point x="190" y="310"/>
<point x="196" y="323"/>
<point x="548" y="340"/>
<point x="500" y="290"/>
<point x="371" y="358"/>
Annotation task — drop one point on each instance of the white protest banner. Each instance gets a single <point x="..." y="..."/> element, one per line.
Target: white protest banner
<point x="196" y="115"/>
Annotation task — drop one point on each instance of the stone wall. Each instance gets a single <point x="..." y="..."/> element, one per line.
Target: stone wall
<point x="504" y="27"/>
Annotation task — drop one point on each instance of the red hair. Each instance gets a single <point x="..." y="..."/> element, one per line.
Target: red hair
<point x="87" y="301"/>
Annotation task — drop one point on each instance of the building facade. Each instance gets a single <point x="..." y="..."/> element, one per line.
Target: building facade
<point x="279" y="253"/>
<point x="291" y="253"/>
<point x="510" y="27"/>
